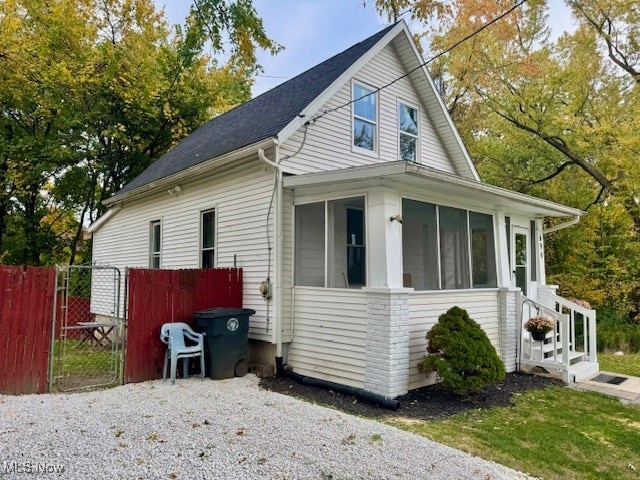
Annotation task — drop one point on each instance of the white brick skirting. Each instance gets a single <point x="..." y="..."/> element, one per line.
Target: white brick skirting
<point x="387" y="368"/>
<point x="509" y="335"/>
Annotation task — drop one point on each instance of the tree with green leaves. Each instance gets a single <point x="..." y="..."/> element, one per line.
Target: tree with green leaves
<point x="94" y="91"/>
<point x="553" y="117"/>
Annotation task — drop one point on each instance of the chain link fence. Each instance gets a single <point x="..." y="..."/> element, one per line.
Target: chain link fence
<point x="88" y="340"/>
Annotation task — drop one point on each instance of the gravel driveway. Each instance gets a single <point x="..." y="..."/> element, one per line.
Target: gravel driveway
<point x="204" y="429"/>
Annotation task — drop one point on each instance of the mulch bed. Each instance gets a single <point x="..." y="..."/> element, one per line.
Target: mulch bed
<point x="427" y="403"/>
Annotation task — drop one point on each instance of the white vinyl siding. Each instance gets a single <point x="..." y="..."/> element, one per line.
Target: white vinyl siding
<point x="329" y="140"/>
<point x="434" y="110"/>
<point x="330" y="335"/>
<point x="424" y="310"/>
<point x="241" y="201"/>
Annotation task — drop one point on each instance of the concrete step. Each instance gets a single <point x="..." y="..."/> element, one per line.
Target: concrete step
<point x="582" y="370"/>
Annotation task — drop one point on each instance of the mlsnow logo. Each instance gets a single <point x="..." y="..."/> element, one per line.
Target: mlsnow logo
<point x="31" y="468"/>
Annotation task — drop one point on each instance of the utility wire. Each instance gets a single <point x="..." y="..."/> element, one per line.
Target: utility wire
<point x="423" y="64"/>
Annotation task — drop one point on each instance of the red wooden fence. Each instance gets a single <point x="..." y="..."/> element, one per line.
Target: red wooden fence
<point x="161" y="296"/>
<point x="26" y="306"/>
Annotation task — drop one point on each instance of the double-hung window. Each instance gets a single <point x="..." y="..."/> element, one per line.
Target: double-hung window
<point x="408" y="129"/>
<point x="155" y="244"/>
<point x="208" y="241"/>
<point x="364" y="118"/>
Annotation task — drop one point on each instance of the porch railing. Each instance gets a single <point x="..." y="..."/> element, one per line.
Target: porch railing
<point x="572" y="339"/>
<point x="582" y="325"/>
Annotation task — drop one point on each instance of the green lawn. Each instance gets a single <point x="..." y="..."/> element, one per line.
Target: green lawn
<point x="84" y="364"/>
<point x="628" y="364"/>
<point x="557" y="433"/>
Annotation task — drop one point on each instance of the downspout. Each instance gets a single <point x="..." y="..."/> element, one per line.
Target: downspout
<point x="562" y="226"/>
<point x="277" y="291"/>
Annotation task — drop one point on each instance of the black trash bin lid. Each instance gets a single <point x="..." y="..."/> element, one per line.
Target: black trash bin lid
<point x="224" y="312"/>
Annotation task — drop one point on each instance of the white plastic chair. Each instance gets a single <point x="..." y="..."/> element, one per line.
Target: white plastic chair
<point x="173" y="334"/>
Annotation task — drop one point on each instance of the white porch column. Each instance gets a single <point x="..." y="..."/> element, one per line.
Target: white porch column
<point x="387" y="358"/>
<point x="504" y="270"/>
<point x="385" y="239"/>
<point x="545" y="295"/>
<point x="509" y="332"/>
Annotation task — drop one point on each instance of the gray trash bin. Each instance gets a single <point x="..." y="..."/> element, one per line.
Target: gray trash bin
<point x="225" y="340"/>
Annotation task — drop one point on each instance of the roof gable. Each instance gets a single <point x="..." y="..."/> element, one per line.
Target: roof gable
<point x="261" y="117"/>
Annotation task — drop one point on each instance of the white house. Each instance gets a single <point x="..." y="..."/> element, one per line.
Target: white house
<point x="348" y="191"/>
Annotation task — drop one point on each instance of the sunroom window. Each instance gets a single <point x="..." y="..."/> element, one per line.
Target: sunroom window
<point x="330" y="244"/>
<point x="447" y="248"/>
<point x="408" y="126"/>
<point x="364" y="118"/>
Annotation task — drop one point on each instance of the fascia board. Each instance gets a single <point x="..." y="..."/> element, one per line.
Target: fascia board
<point x="191" y="172"/>
<point x="99" y="223"/>
<point x="398" y="170"/>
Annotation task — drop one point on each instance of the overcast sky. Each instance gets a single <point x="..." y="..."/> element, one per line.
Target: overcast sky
<point x="313" y="30"/>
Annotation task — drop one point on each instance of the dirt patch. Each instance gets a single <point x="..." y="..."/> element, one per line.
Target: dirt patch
<point x="427" y="403"/>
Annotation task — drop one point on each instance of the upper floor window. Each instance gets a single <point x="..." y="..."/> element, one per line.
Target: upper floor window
<point x="364" y="118"/>
<point x="155" y="244"/>
<point x="208" y="228"/>
<point x="408" y="126"/>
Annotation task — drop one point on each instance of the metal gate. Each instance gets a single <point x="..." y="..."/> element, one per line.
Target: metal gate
<point x="88" y="329"/>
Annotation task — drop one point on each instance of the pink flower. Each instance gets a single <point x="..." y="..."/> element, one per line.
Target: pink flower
<point x="539" y="324"/>
<point x="582" y="303"/>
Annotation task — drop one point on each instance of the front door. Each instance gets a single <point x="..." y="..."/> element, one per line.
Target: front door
<point x="520" y="259"/>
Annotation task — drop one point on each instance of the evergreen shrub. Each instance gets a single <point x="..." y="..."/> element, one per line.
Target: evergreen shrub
<point x="460" y="352"/>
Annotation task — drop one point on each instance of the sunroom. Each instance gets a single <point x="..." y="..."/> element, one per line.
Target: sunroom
<point x="379" y="252"/>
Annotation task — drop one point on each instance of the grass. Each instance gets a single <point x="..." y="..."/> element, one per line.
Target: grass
<point x="628" y="364"/>
<point x="557" y="433"/>
<point x="84" y="364"/>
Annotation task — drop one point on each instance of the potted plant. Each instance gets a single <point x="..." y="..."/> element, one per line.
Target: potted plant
<point x="539" y="326"/>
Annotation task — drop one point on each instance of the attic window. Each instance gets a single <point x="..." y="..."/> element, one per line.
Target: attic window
<point x="408" y="126"/>
<point x="364" y="118"/>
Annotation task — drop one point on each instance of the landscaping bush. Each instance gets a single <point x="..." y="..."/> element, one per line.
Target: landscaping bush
<point x="461" y="354"/>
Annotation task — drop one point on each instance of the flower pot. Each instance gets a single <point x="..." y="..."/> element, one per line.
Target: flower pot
<point x="539" y="336"/>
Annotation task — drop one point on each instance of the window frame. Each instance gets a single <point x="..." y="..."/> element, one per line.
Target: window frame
<point x="153" y="254"/>
<point x="401" y="132"/>
<point x="214" y="248"/>
<point x="376" y="122"/>
<point x="328" y="232"/>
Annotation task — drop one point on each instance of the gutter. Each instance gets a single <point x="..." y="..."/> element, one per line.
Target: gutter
<point x="278" y="241"/>
<point x="562" y="226"/>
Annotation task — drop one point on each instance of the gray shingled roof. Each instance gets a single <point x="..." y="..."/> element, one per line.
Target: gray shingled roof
<point x="258" y="119"/>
